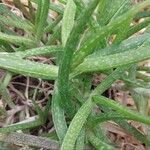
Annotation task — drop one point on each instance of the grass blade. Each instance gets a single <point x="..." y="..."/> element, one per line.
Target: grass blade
<point x="80" y="144"/>
<point x="37" y="51"/>
<point x="10" y="19"/>
<point x="75" y="126"/>
<point x="138" y="27"/>
<point x="107" y="13"/>
<point x="68" y="20"/>
<point x="58" y="115"/>
<point x="123" y="111"/>
<point x="52" y="25"/>
<point x="4" y="91"/>
<point x="43" y="13"/>
<point x="20" y="66"/>
<point x="13" y="23"/>
<point x="132" y="130"/>
<point x="30" y="140"/>
<point x="17" y="40"/>
<point x="97" y="143"/>
<point x="98" y="63"/>
<point x="64" y="70"/>
<point x="6" y="96"/>
<point x="131" y="43"/>
<point x="21" y="126"/>
<point x="84" y="111"/>
<point x="38" y="12"/>
<point x="114" y="27"/>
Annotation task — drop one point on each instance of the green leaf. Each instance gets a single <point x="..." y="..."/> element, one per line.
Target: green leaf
<point x="114" y="27"/>
<point x="63" y="1"/>
<point x="52" y="6"/>
<point x="14" y="63"/>
<point x="58" y="115"/>
<point x="133" y="131"/>
<point x="80" y="144"/>
<point x="38" y="12"/>
<point x="84" y="111"/>
<point x="65" y="65"/>
<point x="58" y="8"/>
<point x="55" y="36"/>
<point x="28" y="68"/>
<point x="68" y="20"/>
<point x="97" y="143"/>
<point x="108" y="10"/>
<point x="17" y="65"/>
<point x="45" y="50"/>
<point x="76" y="125"/>
<point x="138" y="27"/>
<point x="13" y="23"/>
<point x="131" y="43"/>
<point x="143" y="14"/>
<point x="21" y="126"/>
<point x="121" y="110"/>
<point x="17" y="40"/>
<point x="103" y="117"/>
<point x="119" y="119"/>
<point x="38" y="110"/>
<point x="6" y="96"/>
<point x="53" y="25"/>
<point x="99" y="63"/>
<point x="41" y="19"/>
<point x="100" y="132"/>
<point x="10" y="19"/>
<point x="110" y="79"/>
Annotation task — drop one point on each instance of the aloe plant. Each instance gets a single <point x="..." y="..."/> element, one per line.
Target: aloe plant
<point x="85" y="38"/>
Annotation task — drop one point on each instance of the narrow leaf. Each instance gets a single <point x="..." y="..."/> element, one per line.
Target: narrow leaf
<point x="58" y="115"/>
<point x="133" y="131"/>
<point x="99" y="63"/>
<point x="108" y="11"/>
<point x="97" y="143"/>
<point x="121" y="110"/>
<point x="68" y="20"/>
<point x="80" y="118"/>
<point x="114" y="27"/>
<point x="11" y="19"/>
<point x="13" y="23"/>
<point x="42" y="19"/>
<point x="76" y="126"/>
<point x="37" y="51"/>
<point x="30" y="140"/>
<point x="17" y="40"/>
<point x="131" y="43"/>
<point x="80" y="144"/>
<point x="28" y="68"/>
<point x="21" y="126"/>
<point x="65" y="65"/>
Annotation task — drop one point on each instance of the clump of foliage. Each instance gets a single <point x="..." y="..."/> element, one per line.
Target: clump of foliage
<point x="86" y="37"/>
